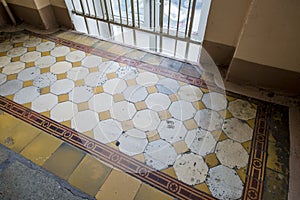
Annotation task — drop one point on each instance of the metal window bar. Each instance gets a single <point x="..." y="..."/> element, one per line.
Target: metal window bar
<point x="156" y="19"/>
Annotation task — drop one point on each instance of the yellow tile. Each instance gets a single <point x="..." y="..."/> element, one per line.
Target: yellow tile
<point x="119" y="185"/>
<point x="15" y="59"/>
<point x="140" y="105"/>
<point x="64" y="160"/>
<point x="273" y="161"/>
<point x="27" y="105"/>
<point x="228" y="114"/>
<point x="98" y="89"/>
<point x="211" y="160"/>
<point x="126" y="125"/>
<point x="204" y="90"/>
<point x="19" y="44"/>
<point x="151" y="193"/>
<point x="29" y="64"/>
<point x="7" y="122"/>
<point x="251" y="123"/>
<point x="229" y="98"/>
<point x="118" y="97"/>
<point x="165" y="114"/>
<point x="30" y="49"/>
<point x="136" y="54"/>
<point x="113" y="145"/>
<point x="219" y="135"/>
<point x="27" y="83"/>
<point x="104" y="115"/>
<point x="44" y="40"/>
<point x="247" y="146"/>
<point x="61" y="58"/>
<point x="41" y="148"/>
<point x="180" y="147"/>
<point x="79" y="82"/>
<point x="198" y="105"/>
<point x="3" y="53"/>
<point x="151" y="89"/>
<point x="89" y="175"/>
<point x="190" y="124"/>
<point x="10" y="97"/>
<point x="83" y="106"/>
<point x="66" y="123"/>
<point x="61" y="76"/>
<point x="45" y="70"/>
<point x="170" y="171"/>
<point x="173" y="97"/>
<point x="93" y="69"/>
<point x="152" y="136"/>
<point x="89" y="133"/>
<point x="111" y="75"/>
<point x="140" y="157"/>
<point x="46" y="53"/>
<point x="76" y="64"/>
<point x="63" y="97"/>
<point x="11" y="77"/>
<point x="242" y="173"/>
<point x="203" y="187"/>
<point x="45" y="90"/>
<point x="46" y="114"/>
<point x="271" y="138"/>
<point x="118" y="49"/>
<point x="131" y="82"/>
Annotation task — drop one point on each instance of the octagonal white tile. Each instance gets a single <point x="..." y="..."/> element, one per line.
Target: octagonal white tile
<point x="26" y="95"/>
<point x="60" y="51"/>
<point x="91" y="61"/>
<point x="29" y="74"/>
<point x="19" y="37"/>
<point x="224" y="183"/>
<point x="30" y="56"/>
<point x="4" y="60"/>
<point x="167" y="86"/>
<point x="182" y="110"/>
<point x="60" y="67"/>
<point x="101" y="102"/>
<point x="45" y="61"/>
<point x="4" y="47"/>
<point x="63" y="86"/>
<point x="190" y="168"/>
<point x="108" y="67"/>
<point x="75" y="56"/>
<point x="172" y="130"/>
<point x="242" y="109"/>
<point x="237" y="130"/>
<point x="200" y="142"/>
<point x="133" y="142"/>
<point x="158" y="102"/>
<point x="18" y="51"/>
<point x="32" y="42"/>
<point x="95" y="79"/>
<point x="107" y="131"/>
<point x="10" y="87"/>
<point x="45" y="46"/>
<point x="214" y="101"/>
<point x="160" y="154"/>
<point x="44" y="80"/>
<point x="231" y="154"/>
<point x="127" y="72"/>
<point x="135" y="93"/>
<point x="209" y="119"/>
<point x="114" y="86"/>
<point x="13" y="68"/>
<point x="147" y="79"/>
<point x="81" y="94"/>
<point x="122" y="110"/>
<point x="64" y="111"/>
<point x="190" y="93"/>
<point x="77" y="73"/>
<point x="44" y="102"/>
<point x="2" y="78"/>
<point x="146" y="120"/>
<point x="85" y="120"/>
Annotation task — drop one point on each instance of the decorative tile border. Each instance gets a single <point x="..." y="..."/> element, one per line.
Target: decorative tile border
<point x="253" y="188"/>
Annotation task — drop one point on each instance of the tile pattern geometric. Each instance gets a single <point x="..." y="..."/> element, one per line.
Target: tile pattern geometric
<point x="154" y="117"/>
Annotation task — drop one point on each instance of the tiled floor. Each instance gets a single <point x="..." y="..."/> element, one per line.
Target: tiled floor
<point x="161" y="122"/>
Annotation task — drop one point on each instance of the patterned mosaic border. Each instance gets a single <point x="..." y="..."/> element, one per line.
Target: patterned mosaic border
<point x="253" y="188"/>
